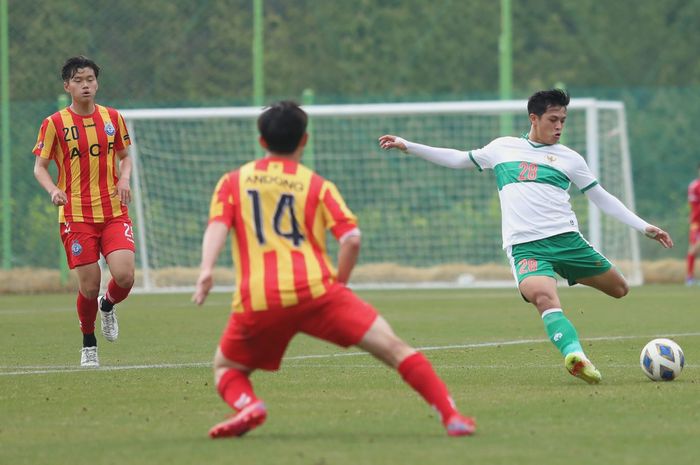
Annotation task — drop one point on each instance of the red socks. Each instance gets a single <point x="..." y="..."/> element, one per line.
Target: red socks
<point x="87" y="312"/>
<point x="235" y="388"/>
<point x="417" y="371"/>
<point x="690" y="270"/>
<point x="116" y="294"/>
<point x="87" y="308"/>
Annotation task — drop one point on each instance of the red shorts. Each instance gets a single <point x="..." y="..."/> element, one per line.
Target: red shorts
<point x="694" y="233"/>
<point x="85" y="241"/>
<point x="259" y="339"/>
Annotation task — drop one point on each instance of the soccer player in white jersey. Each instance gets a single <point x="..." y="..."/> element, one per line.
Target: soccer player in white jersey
<point x="540" y="230"/>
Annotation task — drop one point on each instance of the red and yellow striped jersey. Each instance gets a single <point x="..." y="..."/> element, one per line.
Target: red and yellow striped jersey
<point x="84" y="149"/>
<point x="279" y="211"/>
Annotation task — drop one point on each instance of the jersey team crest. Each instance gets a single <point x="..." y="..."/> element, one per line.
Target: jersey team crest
<point x="76" y="249"/>
<point x="109" y="129"/>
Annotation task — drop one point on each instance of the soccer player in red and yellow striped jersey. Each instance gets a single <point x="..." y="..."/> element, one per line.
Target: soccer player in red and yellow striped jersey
<point x="89" y="144"/>
<point x="283" y="261"/>
<point x="279" y="212"/>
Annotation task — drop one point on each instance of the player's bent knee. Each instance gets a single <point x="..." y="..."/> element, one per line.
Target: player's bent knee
<point x="222" y="364"/>
<point x="89" y="290"/>
<point x="91" y="293"/>
<point x="381" y="341"/>
<point x="621" y="291"/>
<point x="124" y="279"/>
<point x="620" y="288"/>
<point x="543" y="301"/>
<point x="126" y="282"/>
<point x="396" y="350"/>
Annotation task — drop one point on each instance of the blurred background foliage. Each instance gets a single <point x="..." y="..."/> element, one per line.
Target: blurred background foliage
<point x="172" y="53"/>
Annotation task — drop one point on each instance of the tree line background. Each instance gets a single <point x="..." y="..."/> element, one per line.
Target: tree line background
<point x="180" y="53"/>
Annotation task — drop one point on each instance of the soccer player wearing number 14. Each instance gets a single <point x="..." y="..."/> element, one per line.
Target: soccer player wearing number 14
<point x="539" y="228"/>
<point x="279" y="211"/>
<point x="89" y="144"/>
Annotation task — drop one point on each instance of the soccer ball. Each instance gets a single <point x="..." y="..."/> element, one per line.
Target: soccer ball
<point x="662" y="360"/>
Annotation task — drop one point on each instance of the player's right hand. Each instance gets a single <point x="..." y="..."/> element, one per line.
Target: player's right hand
<point x="388" y="141"/>
<point x="58" y="197"/>
<point x="204" y="285"/>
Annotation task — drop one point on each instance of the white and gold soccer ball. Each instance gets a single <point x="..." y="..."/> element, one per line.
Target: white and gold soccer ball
<point x="662" y="360"/>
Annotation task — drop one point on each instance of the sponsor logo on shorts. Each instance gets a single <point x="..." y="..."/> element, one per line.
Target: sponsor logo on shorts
<point x="109" y="129"/>
<point x="76" y="249"/>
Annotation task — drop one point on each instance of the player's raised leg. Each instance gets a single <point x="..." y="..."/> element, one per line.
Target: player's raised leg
<point x="118" y="248"/>
<point x="88" y="288"/>
<point x="234" y="387"/>
<point x="121" y="267"/>
<point x="611" y="282"/>
<point x="541" y="291"/>
<point x="418" y="373"/>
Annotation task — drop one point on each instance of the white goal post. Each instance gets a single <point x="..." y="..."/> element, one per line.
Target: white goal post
<point x="423" y="225"/>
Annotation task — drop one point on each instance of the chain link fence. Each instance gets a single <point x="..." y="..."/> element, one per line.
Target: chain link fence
<point x="181" y="53"/>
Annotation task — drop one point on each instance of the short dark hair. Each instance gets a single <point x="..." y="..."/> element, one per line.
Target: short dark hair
<point x="73" y="64"/>
<point x="282" y="125"/>
<point x="540" y="101"/>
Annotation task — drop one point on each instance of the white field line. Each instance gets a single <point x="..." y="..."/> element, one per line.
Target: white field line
<point x="29" y="311"/>
<point x="37" y="370"/>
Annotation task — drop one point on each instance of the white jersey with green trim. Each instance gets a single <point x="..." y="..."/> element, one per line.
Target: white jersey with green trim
<point x="533" y="183"/>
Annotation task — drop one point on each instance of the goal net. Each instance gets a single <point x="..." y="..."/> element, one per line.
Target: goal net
<point x="423" y="225"/>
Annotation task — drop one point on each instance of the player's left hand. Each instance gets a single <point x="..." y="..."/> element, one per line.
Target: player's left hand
<point x="123" y="191"/>
<point x="659" y="235"/>
<point x="204" y="285"/>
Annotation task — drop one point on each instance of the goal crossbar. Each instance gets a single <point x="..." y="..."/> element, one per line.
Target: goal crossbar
<point x="343" y="135"/>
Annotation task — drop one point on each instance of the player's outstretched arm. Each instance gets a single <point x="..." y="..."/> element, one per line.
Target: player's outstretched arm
<point x="212" y="243"/>
<point x="449" y="158"/>
<point x="612" y="206"/>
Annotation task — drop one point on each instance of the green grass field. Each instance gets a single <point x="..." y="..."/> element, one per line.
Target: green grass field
<point x="153" y="401"/>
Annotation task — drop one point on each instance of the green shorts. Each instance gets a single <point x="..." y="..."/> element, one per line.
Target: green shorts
<point x="568" y="254"/>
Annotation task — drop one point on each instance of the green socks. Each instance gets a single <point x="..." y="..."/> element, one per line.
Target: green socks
<point x="561" y="332"/>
